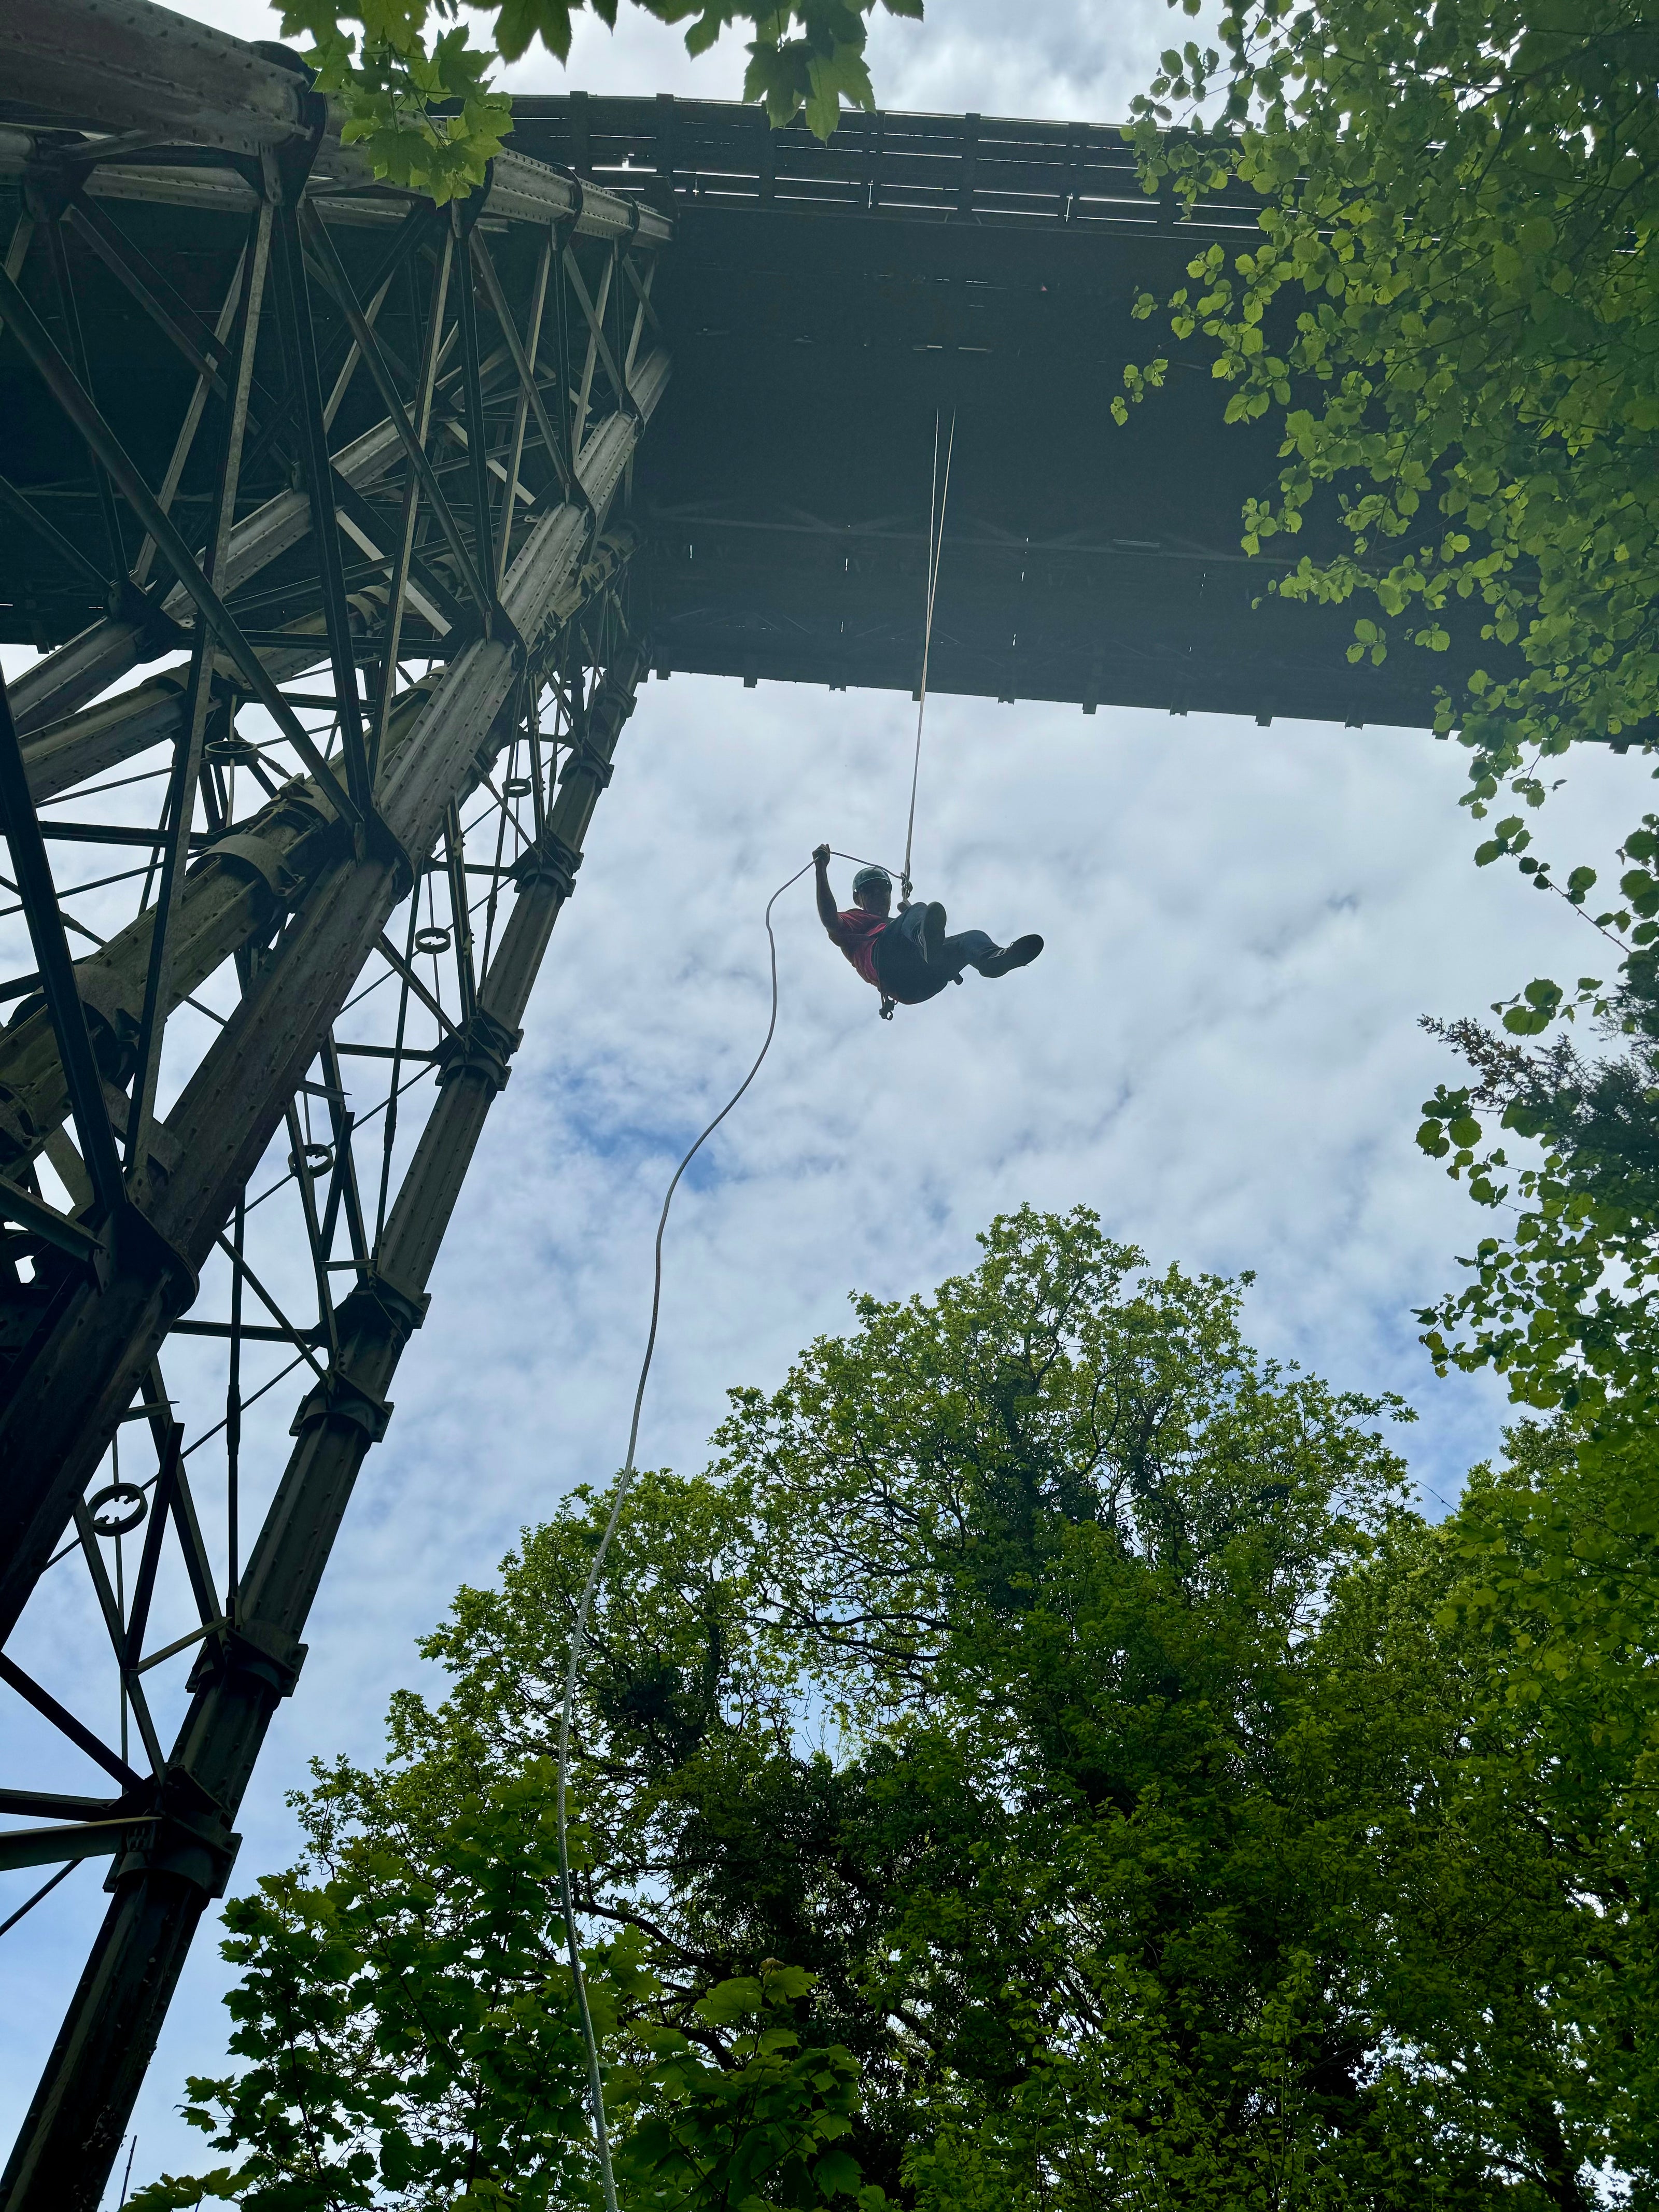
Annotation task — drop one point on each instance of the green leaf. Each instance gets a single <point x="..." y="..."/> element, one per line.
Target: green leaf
<point x="837" y="2173"/>
<point x="519" y="22"/>
<point x="730" y="2000"/>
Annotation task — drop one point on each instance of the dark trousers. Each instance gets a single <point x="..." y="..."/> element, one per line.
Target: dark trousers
<point x="906" y="977"/>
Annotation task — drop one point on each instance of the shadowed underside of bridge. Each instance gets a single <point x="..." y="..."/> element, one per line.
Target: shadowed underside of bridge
<point x="825" y="303"/>
<point x="825" y="306"/>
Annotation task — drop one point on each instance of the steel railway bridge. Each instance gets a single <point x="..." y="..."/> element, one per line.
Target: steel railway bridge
<point x="348" y="528"/>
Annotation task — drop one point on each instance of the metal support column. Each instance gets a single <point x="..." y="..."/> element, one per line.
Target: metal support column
<point x="162" y="1883"/>
<point x="296" y="466"/>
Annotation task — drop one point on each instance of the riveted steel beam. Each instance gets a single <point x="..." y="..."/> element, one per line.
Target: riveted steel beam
<point x="84" y="1092"/>
<point x="64" y="680"/>
<point x="80" y="2111"/>
<point x="127" y="65"/>
<point x="71" y="1387"/>
<point x="454" y="770"/>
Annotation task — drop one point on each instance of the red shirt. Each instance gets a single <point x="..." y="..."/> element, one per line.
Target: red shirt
<point x="856" y="932"/>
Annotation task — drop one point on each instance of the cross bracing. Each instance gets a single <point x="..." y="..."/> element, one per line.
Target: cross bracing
<point x="343" y="483"/>
<point x="823" y="303"/>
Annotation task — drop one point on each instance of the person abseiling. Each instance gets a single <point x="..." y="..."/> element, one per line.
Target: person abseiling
<point x="908" y="959"/>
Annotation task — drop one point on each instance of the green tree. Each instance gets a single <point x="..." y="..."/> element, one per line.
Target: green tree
<point x="1065" y="1686"/>
<point x="1561" y="1555"/>
<point x="422" y="104"/>
<point x="406" y="2022"/>
<point x="410" y="2040"/>
<point x="1448" y="312"/>
<point x="1156" y="1804"/>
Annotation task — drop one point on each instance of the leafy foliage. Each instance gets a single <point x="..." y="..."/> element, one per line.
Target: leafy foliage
<point x="1560" y="1553"/>
<point x="391" y="85"/>
<point x="1156" y="1811"/>
<point x="1564" y="1304"/>
<point x="1448" y="312"/>
<point x="429" y="120"/>
<point x="764" y="2128"/>
<point x="410" y="2040"/>
<point x="1067" y="1690"/>
<point x="407" y="2024"/>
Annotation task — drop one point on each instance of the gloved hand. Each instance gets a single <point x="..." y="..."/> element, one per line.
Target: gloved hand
<point x="821" y="856"/>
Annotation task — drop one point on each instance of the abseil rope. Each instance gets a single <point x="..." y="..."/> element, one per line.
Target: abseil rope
<point x="624" y="1484"/>
<point x="936" y="505"/>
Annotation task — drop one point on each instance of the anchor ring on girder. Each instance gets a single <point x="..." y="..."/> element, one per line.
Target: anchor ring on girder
<point x="117" y="1508"/>
<point x="432" y="940"/>
<point x="314" y="1160"/>
<point x="516" y="786"/>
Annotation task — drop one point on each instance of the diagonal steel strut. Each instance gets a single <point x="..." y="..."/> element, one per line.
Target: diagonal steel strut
<point x="162" y="1883"/>
<point x="77" y="1381"/>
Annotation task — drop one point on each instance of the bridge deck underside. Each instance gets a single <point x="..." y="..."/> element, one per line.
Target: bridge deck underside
<point x="825" y="303"/>
<point x="825" y="306"/>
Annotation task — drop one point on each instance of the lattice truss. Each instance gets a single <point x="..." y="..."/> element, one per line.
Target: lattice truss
<point x="271" y="916"/>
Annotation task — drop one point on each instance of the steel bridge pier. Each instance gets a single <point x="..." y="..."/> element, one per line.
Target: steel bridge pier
<point x="365" y="481"/>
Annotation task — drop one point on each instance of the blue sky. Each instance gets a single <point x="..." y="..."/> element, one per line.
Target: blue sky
<point x="1219" y="1052"/>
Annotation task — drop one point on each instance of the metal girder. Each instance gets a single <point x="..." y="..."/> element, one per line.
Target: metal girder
<point x="210" y="608"/>
<point x="306" y="390"/>
<point x="72" y="1385"/>
<point x="47" y="531"/>
<point x="82" y="1737"/>
<point x="126" y="64"/>
<point x="84" y="1093"/>
<point x="426" y="528"/>
<point x="80" y="2112"/>
<point x="67" y="678"/>
<point x="79" y="1839"/>
<point x="187" y="744"/>
<point x="32" y="1213"/>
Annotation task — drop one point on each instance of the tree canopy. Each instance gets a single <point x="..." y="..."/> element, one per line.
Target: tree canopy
<point x="1449" y="314"/>
<point x="1137" y="1792"/>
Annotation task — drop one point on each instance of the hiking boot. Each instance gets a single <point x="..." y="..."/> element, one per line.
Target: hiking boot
<point x="933" y="931"/>
<point x="1019" y="954"/>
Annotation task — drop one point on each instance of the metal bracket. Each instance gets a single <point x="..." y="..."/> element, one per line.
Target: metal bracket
<point x="266" y="862"/>
<point x="379" y="1300"/>
<point x="548" y="860"/>
<point x="188" y="1835"/>
<point x="84" y="1247"/>
<point x="587" y="760"/>
<point x="337" y="1398"/>
<point x="482" y="1047"/>
<point x="269" y="1654"/>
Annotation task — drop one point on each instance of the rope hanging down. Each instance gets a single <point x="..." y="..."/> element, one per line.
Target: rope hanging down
<point x="937" y="499"/>
<point x="939" y="495"/>
<point x="584" y="1610"/>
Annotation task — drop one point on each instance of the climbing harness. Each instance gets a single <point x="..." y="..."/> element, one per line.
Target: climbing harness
<point x="584" y="1609"/>
<point x="938" y="497"/>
